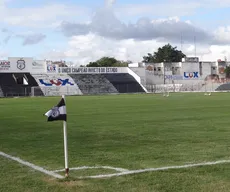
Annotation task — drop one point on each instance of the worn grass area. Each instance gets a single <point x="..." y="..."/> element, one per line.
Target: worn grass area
<point x="126" y="131"/>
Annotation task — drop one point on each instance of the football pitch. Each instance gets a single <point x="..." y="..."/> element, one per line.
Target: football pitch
<point x="135" y="143"/>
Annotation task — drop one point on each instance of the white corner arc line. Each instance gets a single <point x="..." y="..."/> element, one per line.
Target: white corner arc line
<point x="123" y="171"/>
<point x="28" y="164"/>
<point x="94" y="167"/>
<point x="155" y="169"/>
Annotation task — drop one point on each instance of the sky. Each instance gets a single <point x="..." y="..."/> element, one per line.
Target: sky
<point x="84" y="31"/>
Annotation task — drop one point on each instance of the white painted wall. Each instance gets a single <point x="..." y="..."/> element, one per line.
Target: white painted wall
<point x="137" y="77"/>
<point x="141" y="72"/>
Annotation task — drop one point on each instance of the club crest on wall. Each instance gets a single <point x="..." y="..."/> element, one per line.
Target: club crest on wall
<point x="21" y="64"/>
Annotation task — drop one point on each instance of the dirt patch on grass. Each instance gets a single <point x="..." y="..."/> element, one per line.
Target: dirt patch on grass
<point x="69" y="182"/>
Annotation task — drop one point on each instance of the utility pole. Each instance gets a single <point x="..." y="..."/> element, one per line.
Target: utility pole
<point x="195" y="45"/>
<point x="164" y="70"/>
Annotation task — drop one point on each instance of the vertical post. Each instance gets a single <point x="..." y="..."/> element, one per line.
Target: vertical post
<point x="212" y="86"/>
<point x="164" y="70"/>
<point x="195" y="45"/>
<point x="65" y="146"/>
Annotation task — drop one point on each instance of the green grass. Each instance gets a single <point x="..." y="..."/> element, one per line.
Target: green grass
<point x="127" y="131"/>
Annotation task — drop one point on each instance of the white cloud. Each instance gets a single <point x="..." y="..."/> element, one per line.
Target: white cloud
<point x="165" y="8"/>
<point x="169" y="8"/>
<point x="222" y="34"/>
<point x="29" y="38"/>
<point x="41" y="16"/>
<point x="217" y="52"/>
<point x="53" y="54"/>
<point x="109" y="3"/>
<point x="106" y="24"/>
<point x="86" y="48"/>
<point x="86" y="41"/>
<point x="4" y="54"/>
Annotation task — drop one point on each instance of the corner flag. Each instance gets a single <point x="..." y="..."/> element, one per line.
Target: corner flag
<point x="58" y="112"/>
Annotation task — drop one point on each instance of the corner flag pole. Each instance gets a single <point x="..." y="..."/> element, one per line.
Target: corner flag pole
<point x="65" y="145"/>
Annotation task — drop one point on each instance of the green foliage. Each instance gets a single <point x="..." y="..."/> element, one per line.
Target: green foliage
<point x="107" y="62"/>
<point x="167" y="53"/>
<point x="227" y="71"/>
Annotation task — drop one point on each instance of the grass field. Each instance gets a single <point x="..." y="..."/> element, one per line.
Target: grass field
<point x="126" y="131"/>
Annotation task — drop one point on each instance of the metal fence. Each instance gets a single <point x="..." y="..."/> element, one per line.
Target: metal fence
<point x="15" y="92"/>
<point x="69" y="90"/>
<point x="198" y="87"/>
<point x="122" y="88"/>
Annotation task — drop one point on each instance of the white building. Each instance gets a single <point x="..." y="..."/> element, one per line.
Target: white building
<point x="188" y="71"/>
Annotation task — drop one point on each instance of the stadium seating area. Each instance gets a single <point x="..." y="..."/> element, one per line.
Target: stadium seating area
<point x="124" y="83"/>
<point x="93" y="83"/>
<point x="224" y="87"/>
<point x="56" y="84"/>
<point x="26" y="84"/>
<point x="13" y="84"/>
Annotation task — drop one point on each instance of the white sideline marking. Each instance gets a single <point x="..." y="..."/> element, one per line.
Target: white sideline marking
<point x="122" y="171"/>
<point x="28" y="164"/>
<point x="155" y="169"/>
<point x="95" y="167"/>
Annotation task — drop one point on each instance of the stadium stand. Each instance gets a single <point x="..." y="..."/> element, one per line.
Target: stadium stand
<point x="45" y="79"/>
<point x="13" y="84"/>
<point x="93" y="83"/>
<point x="223" y="87"/>
<point x="124" y="83"/>
<point x="52" y="84"/>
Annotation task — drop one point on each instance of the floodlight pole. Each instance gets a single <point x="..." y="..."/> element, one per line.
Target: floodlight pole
<point x="164" y="70"/>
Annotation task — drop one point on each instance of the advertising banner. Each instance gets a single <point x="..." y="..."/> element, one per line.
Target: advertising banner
<point x="174" y="77"/>
<point x="90" y="70"/>
<point x="20" y="64"/>
<point x="51" y="68"/>
<point x="191" y="75"/>
<point x="38" y="66"/>
<point x="4" y="66"/>
<point x="190" y="71"/>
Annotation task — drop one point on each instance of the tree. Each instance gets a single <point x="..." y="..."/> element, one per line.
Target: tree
<point x="107" y="62"/>
<point x="227" y="72"/>
<point x="167" y="53"/>
<point x="92" y="64"/>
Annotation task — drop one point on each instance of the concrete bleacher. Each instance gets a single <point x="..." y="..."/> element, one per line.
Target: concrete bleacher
<point x="71" y="81"/>
<point x="12" y="84"/>
<point x="49" y="89"/>
<point x="125" y="83"/>
<point x="209" y="86"/>
<point x="93" y="83"/>
<point x="90" y="84"/>
<point x="223" y="87"/>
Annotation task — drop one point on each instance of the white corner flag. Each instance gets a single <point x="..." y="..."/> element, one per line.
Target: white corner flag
<point x="59" y="113"/>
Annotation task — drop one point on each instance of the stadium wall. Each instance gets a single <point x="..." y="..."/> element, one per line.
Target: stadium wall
<point x="190" y="74"/>
<point x="47" y="79"/>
